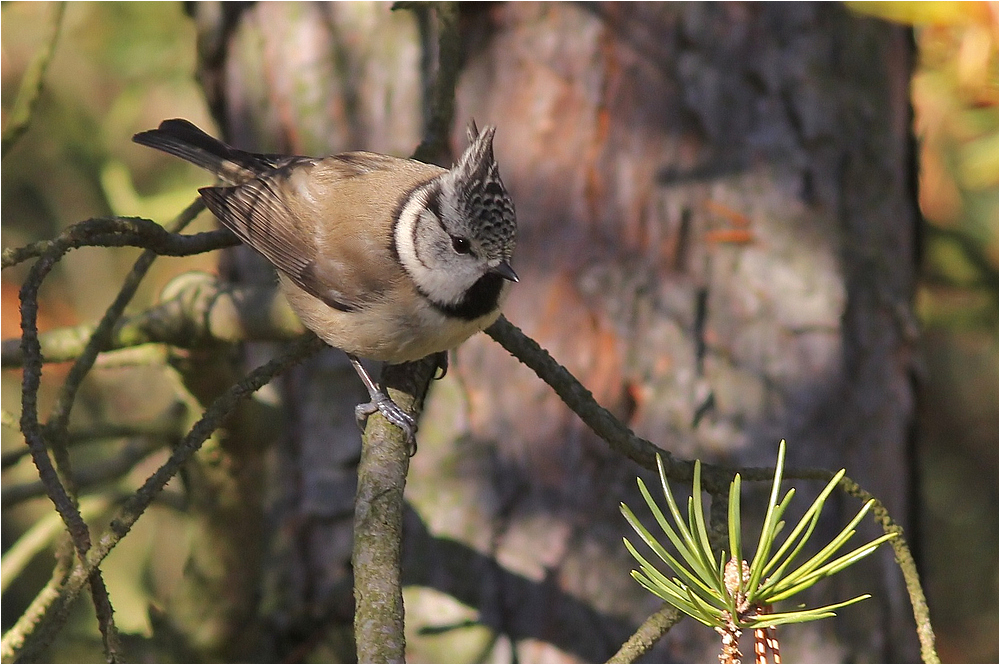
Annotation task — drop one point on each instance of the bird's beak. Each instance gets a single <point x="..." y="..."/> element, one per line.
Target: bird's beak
<point x="504" y="270"/>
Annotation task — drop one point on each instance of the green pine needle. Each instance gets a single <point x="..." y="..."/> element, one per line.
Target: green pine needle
<point x="697" y="585"/>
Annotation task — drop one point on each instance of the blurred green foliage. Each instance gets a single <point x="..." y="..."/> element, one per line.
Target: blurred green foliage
<point x="955" y="101"/>
<point x="116" y="68"/>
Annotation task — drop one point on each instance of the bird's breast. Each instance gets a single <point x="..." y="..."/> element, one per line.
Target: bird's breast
<point x="399" y="326"/>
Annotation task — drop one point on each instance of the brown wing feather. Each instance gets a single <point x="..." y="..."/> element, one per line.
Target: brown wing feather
<point x="257" y="213"/>
<point x="327" y="224"/>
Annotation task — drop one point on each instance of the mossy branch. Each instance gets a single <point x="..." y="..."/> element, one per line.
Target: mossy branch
<point x="378" y="520"/>
<point x="58" y="486"/>
<point x="651" y="630"/>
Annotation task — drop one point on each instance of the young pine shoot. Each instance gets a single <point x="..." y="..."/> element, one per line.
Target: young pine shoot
<point x="726" y="592"/>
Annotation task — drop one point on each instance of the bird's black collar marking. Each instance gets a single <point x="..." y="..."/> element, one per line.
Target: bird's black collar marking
<point x="478" y="301"/>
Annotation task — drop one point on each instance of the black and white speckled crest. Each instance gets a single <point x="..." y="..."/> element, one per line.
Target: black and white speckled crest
<point x="474" y="186"/>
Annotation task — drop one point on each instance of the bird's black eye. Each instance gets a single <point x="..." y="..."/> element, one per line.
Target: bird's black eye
<point x="461" y="245"/>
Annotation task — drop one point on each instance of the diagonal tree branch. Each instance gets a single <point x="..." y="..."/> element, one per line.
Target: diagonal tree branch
<point x="648" y="634"/>
<point x="715" y="478"/>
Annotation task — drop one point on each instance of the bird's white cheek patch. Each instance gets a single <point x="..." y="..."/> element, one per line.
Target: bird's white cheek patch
<point x="404" y="234"/>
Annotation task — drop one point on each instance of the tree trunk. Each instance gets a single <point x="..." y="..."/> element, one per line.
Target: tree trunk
<point x="716" y="236"/>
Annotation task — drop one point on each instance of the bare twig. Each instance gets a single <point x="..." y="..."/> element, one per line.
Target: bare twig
<point x="122" y="232"/>
<point x="715" y="478"/>
<point x="907" y="564"/>
<point x="651" y="630"/>
<point x="48" y="612"/>
<point x="33" y="435"/>
<point x="581" y="401"/>
<point x="31" y="380"/>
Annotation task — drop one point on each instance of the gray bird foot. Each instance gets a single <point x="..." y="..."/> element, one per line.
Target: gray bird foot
<point x="391" y="411"/>
<point x="384" y="405"/>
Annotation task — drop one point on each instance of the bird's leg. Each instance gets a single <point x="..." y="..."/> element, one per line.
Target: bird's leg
<point x="382" y="403"/>
<point x="441" y="359"/>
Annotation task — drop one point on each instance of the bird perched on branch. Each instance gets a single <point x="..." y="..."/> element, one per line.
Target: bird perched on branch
<point x="385" y="258"/>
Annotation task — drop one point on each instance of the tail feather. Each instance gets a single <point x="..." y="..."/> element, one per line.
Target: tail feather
<point x="182" y="139"/>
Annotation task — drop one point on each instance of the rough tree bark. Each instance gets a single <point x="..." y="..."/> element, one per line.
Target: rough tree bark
<point x="717" y="232"/>
<point x="636" y="140"/>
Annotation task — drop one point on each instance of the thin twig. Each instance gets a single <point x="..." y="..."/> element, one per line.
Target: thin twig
<point x="25" y="640"/>
<point x="582" y="402"/>
<point x="648" y="634"/>
<point x="96" y="474"/>
<point x="31" y="380"/>
<point x="907" y="564"/>
<point x="33" y="435"/>
<point x="122" y="232"/>
<point x="715" y="478"/>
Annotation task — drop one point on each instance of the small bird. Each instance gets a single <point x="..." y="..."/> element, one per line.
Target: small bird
<point x="385" y="258"/>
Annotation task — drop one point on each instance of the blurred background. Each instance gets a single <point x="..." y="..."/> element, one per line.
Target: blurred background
<point x="954" y="93"/>
<point x="119" y="68"/>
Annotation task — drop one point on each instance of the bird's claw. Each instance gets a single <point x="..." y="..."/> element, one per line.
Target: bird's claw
<point x="391" y="411"/>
